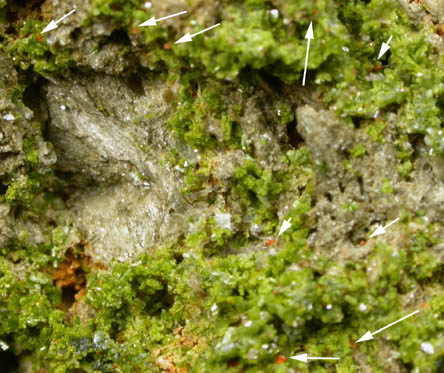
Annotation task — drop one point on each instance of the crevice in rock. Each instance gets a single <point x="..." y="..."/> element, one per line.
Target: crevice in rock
<point x="269" y="83"/>
<point x="357" y="122"/>
<point x="417" y="142"/>
<point x="162" y="301"/>
<point x="440" y="364"/>
<point x="3" y="188"/>
<point x="178" y="257"/>
<point x="71" y="279"/>
<point x="294" y="137"/>
<point x="361" y="184"/>
<point x="65" y="181"/>
<point x="119" y="37"/>
<point x="76" y="34"/>
<point x="68" y="297"/>
<point x="22" y="9"/>
<point x="134" y="83"/>
<point x="33" y="98"/>
<point x="392" y="108"/>
<point x="440" y="100"/>
<point x="17" y="210"/>
<point x="9" y="362"/>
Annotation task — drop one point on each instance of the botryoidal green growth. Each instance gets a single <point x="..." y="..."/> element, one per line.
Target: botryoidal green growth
<point x="189" y="307"/>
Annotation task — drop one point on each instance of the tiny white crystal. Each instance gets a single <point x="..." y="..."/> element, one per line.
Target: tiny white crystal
<point x="223" y="221"/>
<point x="9" y="117"/>
<point x="274" y="13"/>
<point x="428" y="348"/>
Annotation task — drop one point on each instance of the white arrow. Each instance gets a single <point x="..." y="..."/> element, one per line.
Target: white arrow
<point x="304" y="358"/>
<point x="369" y="335"/>
<point x="285" y="225"/>
<point x="188" y="37"/>
<point x="381" y="230"/>
<point x="384" y="48"/>
<point x="153" y="21"/>
<point x="53" y="24"/>
<point x="308" y="36"/>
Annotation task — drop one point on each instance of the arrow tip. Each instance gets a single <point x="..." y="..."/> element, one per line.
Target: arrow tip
<point x="379" y="230"/>
<point x="309" y="34"/>
<point x="150" y="22"/>
<point x="184" y="39"/>
<point x="51" y="26"/>
<point x="285" y="225"/>
<point x="384" y="48"/>
<point x="366" y="337"/>
<point x="301" y="357"/>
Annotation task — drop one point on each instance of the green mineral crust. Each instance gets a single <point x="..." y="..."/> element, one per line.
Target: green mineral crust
<point x="143" y="184"/>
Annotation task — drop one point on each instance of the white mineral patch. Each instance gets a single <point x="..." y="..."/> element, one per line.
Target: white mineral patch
<point x="252" y="354"/>
<point x="428" y="348"/>
<point x="274" y="13"/>
<point x="9" y="117"/>
<point x="214" y="308"/>
<point x="223" y="221"/>
<point x="51" y="38"/>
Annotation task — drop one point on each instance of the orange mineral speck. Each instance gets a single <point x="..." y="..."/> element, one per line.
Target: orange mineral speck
<point x="281" y="359"/>
<point x="353" y="344"/>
